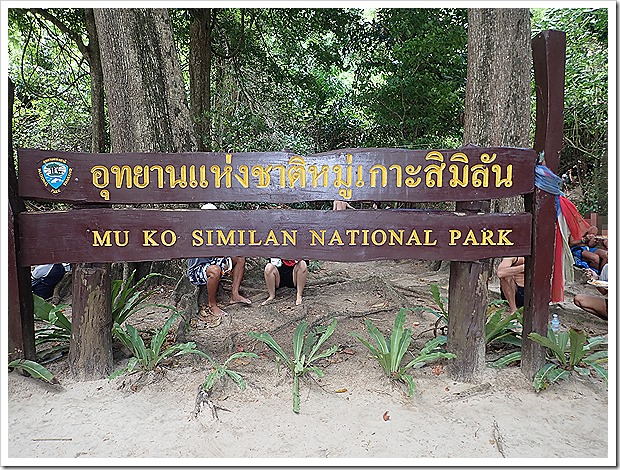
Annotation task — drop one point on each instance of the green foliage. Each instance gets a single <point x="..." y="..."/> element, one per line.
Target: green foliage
<point x="147" y="358"/>
<point x="441" y="312"/>
<point x="585" y="98"/>
<point x="500" y="328"/>
<point x="221" y="370"/>
<point x="390" y="353"/>
<point x="305" y="353"/>
<point x="569" y="351"/>
<point x="127" y="298"/>
<point x="56" y="328"/>
<point x="33" y="369"/>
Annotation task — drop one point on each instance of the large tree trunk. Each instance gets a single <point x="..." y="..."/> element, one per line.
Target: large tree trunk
<point x="200" y="75"/>
<point x="148" y="113"/>
<point x="143" y="82"/>
<point x="497" y="113"/>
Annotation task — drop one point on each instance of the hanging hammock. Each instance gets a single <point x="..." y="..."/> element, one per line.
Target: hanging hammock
<point x="570" y="223"/>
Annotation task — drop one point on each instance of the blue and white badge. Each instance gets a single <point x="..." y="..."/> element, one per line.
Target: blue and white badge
<point x="55" y="173"/>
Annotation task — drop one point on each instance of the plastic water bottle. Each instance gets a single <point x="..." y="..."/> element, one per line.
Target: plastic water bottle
<point x="555" y="323"/>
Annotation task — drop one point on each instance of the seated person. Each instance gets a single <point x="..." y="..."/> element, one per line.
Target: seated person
<point x="595" y="304"/>
<point x="208" y="272"/>
<point x="44" y="277"/>
<point x="511" y="274"/>
<point x="285" y="273"/>
<point x="590" y="251"/>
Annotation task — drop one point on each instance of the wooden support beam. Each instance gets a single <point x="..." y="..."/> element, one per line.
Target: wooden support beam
<point x="549" y="54"/>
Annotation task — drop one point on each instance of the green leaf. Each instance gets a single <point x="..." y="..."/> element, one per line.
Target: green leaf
<point x="298" y="340"/>
<point x="237" y="379"/>
<point x="324" y="337"/>
<point x="34" y="369"/>
<point x="551" y="344"/>
<point x="547" y="375"/>
<point x="411" y="386"/>
<point x="577" y="342"/>
<point x="273" y="345"/>
<point x="158" y="339"/>
<point x="375" y="334"/>
<point x="506" y="360"/>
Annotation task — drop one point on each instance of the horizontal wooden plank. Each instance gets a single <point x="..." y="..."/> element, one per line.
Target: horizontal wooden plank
<point x="109" y="235"/>
<point x="378" y="174"/>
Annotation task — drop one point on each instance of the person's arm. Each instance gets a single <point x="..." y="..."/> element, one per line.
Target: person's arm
<point x="506" y="268"/>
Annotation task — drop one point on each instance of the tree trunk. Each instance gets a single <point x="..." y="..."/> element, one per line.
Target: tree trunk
<point x="200" y="76"/>
<point x="497" y="111"/>
<point x="143" y="82"/>
<point x="97" y="108"/>
<point x="90" y="348"/>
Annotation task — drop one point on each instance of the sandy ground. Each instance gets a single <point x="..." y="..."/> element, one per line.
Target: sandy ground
<point x="353" y="413"/>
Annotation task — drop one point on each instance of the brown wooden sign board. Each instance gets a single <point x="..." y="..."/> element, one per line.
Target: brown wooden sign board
<point x="108" y="235"/>
<point x="378" y="174"/>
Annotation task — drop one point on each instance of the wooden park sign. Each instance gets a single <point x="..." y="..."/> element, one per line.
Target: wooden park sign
<point x="108" y="235"/>
<point x="94" y="232"/>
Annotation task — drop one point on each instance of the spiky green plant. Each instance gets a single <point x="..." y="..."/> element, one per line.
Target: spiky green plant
<point x="305" y="353"/>
<point x="128" y="298"/>
<point x="55" y="328"/>
<point x="390" y="353"/>
<point x="34" y="369"/>
<point x="500" y="328"/>
<point x="441" y="312"/>
<point x="146" y="358"/>
<point x="570" y="351"/>
<point x="219" y="371"/>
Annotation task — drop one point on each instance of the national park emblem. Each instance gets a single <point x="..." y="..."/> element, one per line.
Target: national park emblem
<point x="55" y="173"/>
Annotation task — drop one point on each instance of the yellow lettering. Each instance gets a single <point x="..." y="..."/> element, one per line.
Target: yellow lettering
<point x="99" y="240"/>
<point x="502" y="240"/>
<point x="365" y="237"/>
<point x="148" y="238"/>
<point x="352" y="234"/>
<point x="413" y="239"/>
<point x="209" y="238"/>
<point x="374" y="237"/>
<point x="197" y="239"/>
<point x="396" y="237"/>
<point x="271" y="237"/>
<point x="487" y="237"/>
<point x="289" y="237"/>
<point x="252" y="241"/>
<point x="470" y="238"/>
<point x="226" y="240"/>
<point x="164" y="238"/>
<point x="336" y="240"/>
<point x="241" y="233"/>
<point x="117" y="237"/>
<point x="427" y="238"/>
<point x="454" y="235"/>
<point x="316" y="237"/>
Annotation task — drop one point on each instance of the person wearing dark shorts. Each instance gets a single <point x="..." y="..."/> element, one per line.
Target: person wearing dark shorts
<point x="511" y="274"/>
<point x="44" y="277"/>
<point x="285" y="273"/>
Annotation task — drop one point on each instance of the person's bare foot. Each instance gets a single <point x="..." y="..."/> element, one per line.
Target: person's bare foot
<point x="269" y="299"/>
<point x="239" y="299"/>
<point x="211" y="316"/>
<point x="298" y="301"/>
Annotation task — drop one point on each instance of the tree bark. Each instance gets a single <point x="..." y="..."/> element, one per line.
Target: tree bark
<point x="90" y="348"/>
<point x="200" y="54"/>
<point x="97" y="108"/>
<point x="497" y="110"/>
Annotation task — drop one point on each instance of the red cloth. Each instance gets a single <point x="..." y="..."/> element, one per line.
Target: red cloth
<point x="289" y="262"/>
<point x="576" y="223"/>
<point x="557" y="279"/>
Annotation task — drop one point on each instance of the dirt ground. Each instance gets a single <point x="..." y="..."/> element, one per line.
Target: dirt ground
<point x="354" y="412"/>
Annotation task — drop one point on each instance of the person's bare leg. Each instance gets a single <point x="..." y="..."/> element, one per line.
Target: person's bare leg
<point x="237" y="277"/>
<point x="593" y="259"/>
<point x="592" y="304"/>
<point x="300" y="275"/>
<point x="272" y="281"/>
<point x="214" y="273"/>
<point x="509" y="288"/>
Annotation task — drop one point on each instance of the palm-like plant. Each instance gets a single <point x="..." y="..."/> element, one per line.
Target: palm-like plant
<point x="390" y="353"/>
<point x="305" y="353"/>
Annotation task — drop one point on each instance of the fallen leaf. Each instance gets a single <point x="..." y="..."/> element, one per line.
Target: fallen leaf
<point x="437" y="370"/>
<point x="341" y="390"/>
<point x="447" y="389"/>
<point x="386" y="416"/>
<point x="416" y="323"/>
<point x="348" y="351"/>
<point x="240" y="348"/>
